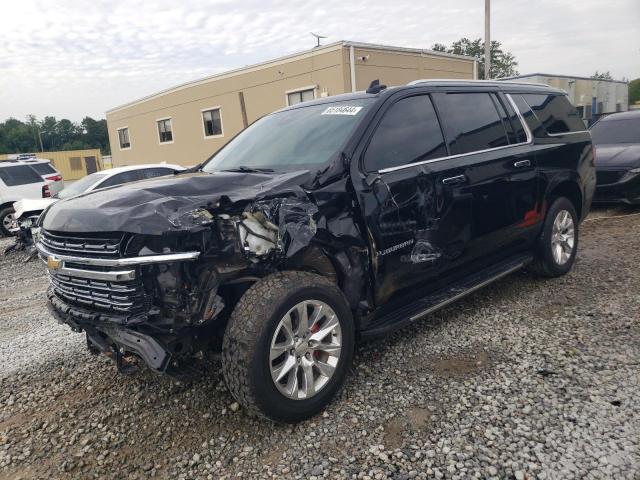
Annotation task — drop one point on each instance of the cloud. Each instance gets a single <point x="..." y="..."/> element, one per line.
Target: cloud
<point x="77" y="58"/>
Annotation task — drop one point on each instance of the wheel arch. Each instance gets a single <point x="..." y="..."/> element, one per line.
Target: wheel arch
<point x="569" y="188"/>
<point x="7" y="204"/>
<point x="345" y="267"/>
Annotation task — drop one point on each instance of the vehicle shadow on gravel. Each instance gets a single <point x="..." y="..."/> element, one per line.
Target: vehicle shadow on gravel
<point x="559" y="346"/>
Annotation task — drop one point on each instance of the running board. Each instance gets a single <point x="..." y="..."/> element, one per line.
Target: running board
<point x="443" y="297"/>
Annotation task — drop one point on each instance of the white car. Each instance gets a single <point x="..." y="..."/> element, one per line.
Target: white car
<point x="32" y="207"/>
<point x="48" y="172"/>
<point x="18" y="180"/>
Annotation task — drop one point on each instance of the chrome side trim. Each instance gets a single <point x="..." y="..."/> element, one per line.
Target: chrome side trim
<point x="568" y="133"/>
<point x="460" y="155"/>
<point x="450" y="157"/>
<point x="466" y="292"/>
<point x="121" y="262"/>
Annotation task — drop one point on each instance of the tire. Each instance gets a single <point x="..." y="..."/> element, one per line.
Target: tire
<point x="4" y="213"/>
<point x="546" y="263"/>
<point x="256" y="329"/>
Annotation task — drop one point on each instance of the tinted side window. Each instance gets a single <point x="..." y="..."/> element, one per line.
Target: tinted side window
<point x="519" y="134"/>
<point x="19" y="175"/>
<point x="409" y="132"/>
<point x="156" y="172"/>
<point x="43" y="168"/>
<point x="471" y="122"/>
<point x="532" y="121"/>
<point x="120" y="178"/>
<point x="555" y="113"/>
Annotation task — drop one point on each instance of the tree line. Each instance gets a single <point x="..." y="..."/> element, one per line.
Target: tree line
<point x="50" y="134"/>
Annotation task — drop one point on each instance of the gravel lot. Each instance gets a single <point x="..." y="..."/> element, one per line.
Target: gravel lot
<point x="526" y="378"/>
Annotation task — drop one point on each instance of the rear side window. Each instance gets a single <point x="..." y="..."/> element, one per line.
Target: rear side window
<point x="43" y="168"/>
<point x="155" y="172"/>
<point x="471" y="122"/>
<point x="19" y="175"/>
<point x="532" y="121"/>
<point x="120" y="178"/>
<point x="555" y="112"/>
<point x="518" y="133"/>
<point x="408" y="133"/>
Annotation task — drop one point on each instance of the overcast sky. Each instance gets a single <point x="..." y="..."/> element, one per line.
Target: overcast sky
<point x="77" y="58"/>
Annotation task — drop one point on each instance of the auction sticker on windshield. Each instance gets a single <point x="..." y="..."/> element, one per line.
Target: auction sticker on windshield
<point x="343" y="110"/>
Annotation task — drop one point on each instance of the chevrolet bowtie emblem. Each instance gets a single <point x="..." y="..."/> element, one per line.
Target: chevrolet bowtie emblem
<point x="53" y="263"/>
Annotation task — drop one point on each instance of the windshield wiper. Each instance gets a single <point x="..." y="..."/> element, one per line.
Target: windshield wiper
<point x="244" y="168"/>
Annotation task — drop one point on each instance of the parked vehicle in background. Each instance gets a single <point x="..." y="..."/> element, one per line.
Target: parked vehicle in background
<point x="28" y="210"/>
<point x="18" y="180"/>
<point x="616" y="139"/>
<point x="48" y="172"/>
<point x="337" y="218"/>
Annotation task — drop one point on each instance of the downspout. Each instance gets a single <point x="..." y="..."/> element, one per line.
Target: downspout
<point x="475" y="70"/>
<point x="352" y="67"/>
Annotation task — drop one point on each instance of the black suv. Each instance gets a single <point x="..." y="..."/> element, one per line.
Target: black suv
<point x="322" y="223"/>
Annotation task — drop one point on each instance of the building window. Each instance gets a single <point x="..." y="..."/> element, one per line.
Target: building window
<point x="123" y="136"/>
<point x="212" y="122"/>
<point x="300" y="96"/>
<point x="164" y="130"/>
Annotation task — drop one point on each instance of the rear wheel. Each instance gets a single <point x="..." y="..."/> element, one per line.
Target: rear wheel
<point x="7" y="222"/>
<point x="288" y="346"/>
<point x="558" y="243"/>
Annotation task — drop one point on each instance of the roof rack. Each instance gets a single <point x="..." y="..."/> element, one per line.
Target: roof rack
<point x="462" y="80"/>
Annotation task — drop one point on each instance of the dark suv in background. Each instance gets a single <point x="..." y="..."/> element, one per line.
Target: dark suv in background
<point x="328" y="221"/>
<point x="616" y="139"/>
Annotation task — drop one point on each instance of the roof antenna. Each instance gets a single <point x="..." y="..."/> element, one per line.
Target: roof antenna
<point x="375" y="87"/>
<point x="318" y="37"/>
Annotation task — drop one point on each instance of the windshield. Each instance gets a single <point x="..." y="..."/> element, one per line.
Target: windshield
<point x="616" y="131"/>
<point x="80" y="186"/>
<point x="301" y="138"/>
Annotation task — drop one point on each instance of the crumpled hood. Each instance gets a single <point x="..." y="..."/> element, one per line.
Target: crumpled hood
<point x="618" y="155"/>
<point x="166" y="204"/>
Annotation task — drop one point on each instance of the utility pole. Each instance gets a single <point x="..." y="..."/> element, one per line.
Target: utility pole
<point x="487" y="39"/>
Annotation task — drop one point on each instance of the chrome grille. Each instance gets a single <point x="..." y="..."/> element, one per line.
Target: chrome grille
<point x="100" y="246"/>
<point x="606" y="177"/>
<point x="103" y="295"/>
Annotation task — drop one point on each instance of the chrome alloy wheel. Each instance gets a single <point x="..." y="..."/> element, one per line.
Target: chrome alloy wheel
<point x="562" y="237"/>
<point x="10" y="224"/>
<point x="305" y="349"/>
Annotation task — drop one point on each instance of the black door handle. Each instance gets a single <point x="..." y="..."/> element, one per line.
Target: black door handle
<point x="522" y="163"/>
<point x="454" y="180"/>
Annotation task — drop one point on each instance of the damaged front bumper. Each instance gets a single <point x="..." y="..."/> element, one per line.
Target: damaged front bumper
<point x="114" y="301"/>
<point x="106" y="336"/>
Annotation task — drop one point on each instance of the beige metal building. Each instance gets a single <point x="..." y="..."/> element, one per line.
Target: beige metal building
<point x="72" y="164"/>
<point x="189" y="122"/>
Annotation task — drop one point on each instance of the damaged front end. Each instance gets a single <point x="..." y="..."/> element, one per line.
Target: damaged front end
<point x="165" y="298"/>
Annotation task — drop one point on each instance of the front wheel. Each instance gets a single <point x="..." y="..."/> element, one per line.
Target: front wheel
<point x="288" y="346"/>
<point x="7" y="222"/>
<point x="558" y="243"/>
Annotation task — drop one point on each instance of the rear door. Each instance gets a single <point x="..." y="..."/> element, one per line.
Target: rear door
<point x="415" y="206"/>
<point x="499" y="170"/>
<point x="20" y="181"/>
